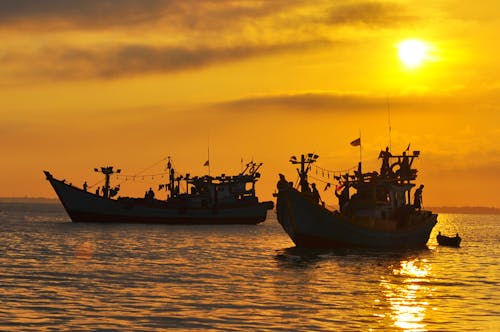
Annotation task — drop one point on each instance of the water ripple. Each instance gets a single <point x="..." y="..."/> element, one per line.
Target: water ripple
<point x="57" y="275"/>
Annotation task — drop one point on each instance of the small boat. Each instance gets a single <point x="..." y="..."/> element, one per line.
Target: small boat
<point x="378" y="215"/>
<point x="448" y="241"/>
<point x="207" y="200"/>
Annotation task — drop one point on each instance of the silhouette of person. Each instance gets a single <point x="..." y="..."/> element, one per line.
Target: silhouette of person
<point x="343" y="197"/>
<point x="151" y="193"/>
<point x="404" y="167"/>
<point x="304" y="185"/>
<point x="97" y="191"/>
<point x="385" y="169"/>
<point x="282" y="183"/>
<point x="417" y="200"/>
<point x="315" y="193"/>
<point x="85" y="186"/>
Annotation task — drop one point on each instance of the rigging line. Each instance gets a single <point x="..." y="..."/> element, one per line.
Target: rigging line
<point x="94" y="184"/>
<point x="325" y="169"/>
<point x="345" y="170"/>
<point x="143" y="175"/>
<point x="335" y="171"/>
<point x="133" y="177"/>
<point x="145" y="169"/>
<point x="151" y="166"/>
<point x="320" y="180"/>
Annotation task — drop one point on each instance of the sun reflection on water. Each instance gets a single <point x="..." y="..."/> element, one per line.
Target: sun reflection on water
<point x="84" y="251"/>
<point x="406" y="291"/>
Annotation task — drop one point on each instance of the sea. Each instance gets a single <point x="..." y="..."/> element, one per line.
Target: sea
<point x="56" y="275"/>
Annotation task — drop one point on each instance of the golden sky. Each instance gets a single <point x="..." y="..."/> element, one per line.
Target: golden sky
<point x="127" y="83"/>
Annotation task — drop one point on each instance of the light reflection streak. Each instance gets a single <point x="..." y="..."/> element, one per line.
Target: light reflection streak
<point x="84" y="251"/>
<point x="406" y="291"/>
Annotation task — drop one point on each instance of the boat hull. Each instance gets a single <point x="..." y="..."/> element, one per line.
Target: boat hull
<point x="83" y="206"/>
<point x="311" y="225"/>
<point x="448" y="241"/>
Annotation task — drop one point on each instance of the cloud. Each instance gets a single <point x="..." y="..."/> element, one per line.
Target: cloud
<point x="369" y="13"/>
<point x="98" y="14"/>
<point x="89" y="13"/>
<point x="66" y="63"/>
<point x="174" y="35"/>
<point x="191" y="15"/>
<point x="334" y="102"/>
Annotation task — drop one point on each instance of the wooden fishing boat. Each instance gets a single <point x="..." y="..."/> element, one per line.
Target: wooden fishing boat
<point x="377" y="215"/>
<point x="207" y="200"/>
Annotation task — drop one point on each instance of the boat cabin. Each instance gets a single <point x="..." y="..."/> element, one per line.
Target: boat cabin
<point x="384" y="195"/>
<point x="208" y="190"/>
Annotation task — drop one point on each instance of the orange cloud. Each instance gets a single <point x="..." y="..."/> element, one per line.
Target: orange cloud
<point x="97" y="14"/>
<point x="340" y="101"/>
<point x="371" y="13"/>
<point x="67" y="63"/>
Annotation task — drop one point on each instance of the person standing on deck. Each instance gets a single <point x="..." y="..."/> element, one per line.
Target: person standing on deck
<point x="315" y="193"/>
<point x="343" y="196"/>
<point x="282" y="183"/>
<point x="385" y="169"/>
<point x="417" y="200"/>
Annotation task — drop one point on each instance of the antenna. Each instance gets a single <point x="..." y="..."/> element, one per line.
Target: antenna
<point x="360" y="147"/>
<point x="208" y="159"/>
<point x="360" y="152"/>
<point x="389" y="122"/>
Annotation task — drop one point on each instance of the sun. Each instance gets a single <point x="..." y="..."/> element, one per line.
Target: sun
<point x="412" y="52"/>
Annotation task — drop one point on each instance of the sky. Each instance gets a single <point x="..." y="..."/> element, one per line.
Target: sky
<point x="127" y="83"/>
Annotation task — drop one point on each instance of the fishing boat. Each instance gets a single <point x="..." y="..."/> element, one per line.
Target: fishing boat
<point x="206" y="200"/>
<point x="378" y="213"/>
<point x="448" y="241"/>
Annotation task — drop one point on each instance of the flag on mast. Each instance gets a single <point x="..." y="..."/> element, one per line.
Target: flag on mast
<point x="356" y="142"/>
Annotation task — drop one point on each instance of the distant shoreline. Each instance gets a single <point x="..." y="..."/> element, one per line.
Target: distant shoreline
<point x="437" y="209"/>
<point x="29" y="200"/>
<point x="464" y="209"/>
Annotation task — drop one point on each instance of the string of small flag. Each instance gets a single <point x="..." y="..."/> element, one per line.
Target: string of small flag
<point x="329" y="174"/>
<point x="132" y="177"/>
<point x="140" y="176"/>
<point x="129" y="177"/>
<point x="327" y="183"/>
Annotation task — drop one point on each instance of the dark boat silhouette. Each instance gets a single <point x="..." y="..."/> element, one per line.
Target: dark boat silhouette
<point x="448" y="241"/>
<point x="209" y="200"/>
<point x="378" y="215"/>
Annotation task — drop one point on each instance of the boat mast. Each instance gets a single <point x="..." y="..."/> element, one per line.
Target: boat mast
<point x="304" y="160"/>
<point x="389" y="123"/>
<point x="171" y="177"/>
<point x="107" y="171"/>
<point x="360" y="155"/>
<point x="208" y="158"/>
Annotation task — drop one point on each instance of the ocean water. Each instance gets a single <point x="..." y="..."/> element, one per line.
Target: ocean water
<point x="56" y="275"/>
